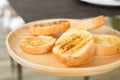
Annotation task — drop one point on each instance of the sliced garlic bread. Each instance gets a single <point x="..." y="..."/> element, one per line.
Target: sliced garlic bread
<point x="74" y="47"/>
<point x="49" y="28"/>
<point x="107" y="45"/>
<point x="92" y="23"/>
<point x="37" y="45"/>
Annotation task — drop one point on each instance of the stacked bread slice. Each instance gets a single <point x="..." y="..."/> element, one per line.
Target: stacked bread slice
<point x="41" y="42"/>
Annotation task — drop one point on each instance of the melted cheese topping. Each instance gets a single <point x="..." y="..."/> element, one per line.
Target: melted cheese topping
<point x="108" y="39"/>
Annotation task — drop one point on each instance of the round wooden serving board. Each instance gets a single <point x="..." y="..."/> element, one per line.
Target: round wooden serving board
<point x="47" y="63"/>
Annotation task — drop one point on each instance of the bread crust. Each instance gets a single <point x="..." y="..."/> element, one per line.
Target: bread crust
<point x="37" y="49"/>
<point x="92" y="23"/>
<point x="107" y="49"/>
<point x="49" y="28"/>
<point x="81" y="59"/>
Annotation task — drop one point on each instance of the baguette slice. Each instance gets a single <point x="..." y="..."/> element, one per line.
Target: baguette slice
<point x="74" y="47"/>
<point x="49" y="28"/>
<point x="37" y="45"/>
<point x="92" y="23"/>
<point x="107" y="45"/>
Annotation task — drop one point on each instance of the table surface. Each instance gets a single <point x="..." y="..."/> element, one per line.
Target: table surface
<point x="31" y="10"/>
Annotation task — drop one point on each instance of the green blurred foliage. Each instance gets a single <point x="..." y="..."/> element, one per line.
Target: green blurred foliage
<point x="115" y="21"/>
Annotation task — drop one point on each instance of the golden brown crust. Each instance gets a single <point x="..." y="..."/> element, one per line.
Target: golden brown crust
<point x="92" y="23"/>
<point x="31" y="48"/>
<point x="107" y="50"/>
<point x="107" y="45"/>
<point x="77" y="60"/>
<point x="97" y="21"/>
<point x="49" y="28"/>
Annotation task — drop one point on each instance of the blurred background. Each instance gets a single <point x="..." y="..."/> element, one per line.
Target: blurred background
<point x="10" y="20"/>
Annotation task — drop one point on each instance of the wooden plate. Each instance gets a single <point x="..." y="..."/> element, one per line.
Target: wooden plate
<point x="47" y="63"/>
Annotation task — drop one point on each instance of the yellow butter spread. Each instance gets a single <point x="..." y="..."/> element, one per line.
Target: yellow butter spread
<point x="107" y="39"/>
<point x="74" y="42"/>
<point x="35" y="41"/>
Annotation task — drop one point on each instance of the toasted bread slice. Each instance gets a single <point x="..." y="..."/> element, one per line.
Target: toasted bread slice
<point x="49" y="27"/>
<point x="107" y="45"/>
<point x="92" y="23"/>
<point x="37" y="45"/>
<point x="74" y="47"/>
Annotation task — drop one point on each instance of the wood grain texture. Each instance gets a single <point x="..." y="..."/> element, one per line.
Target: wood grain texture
<point x="47" y="63"/>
